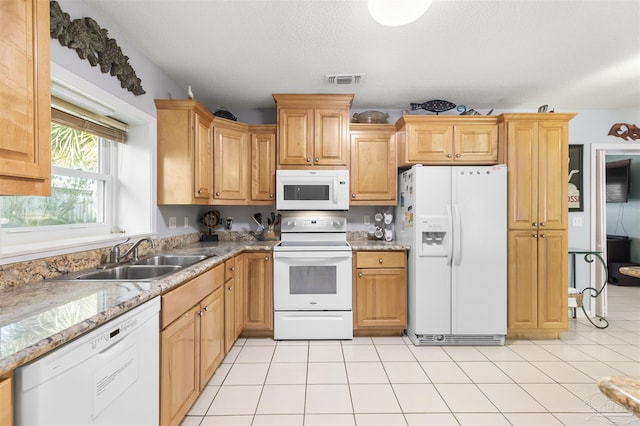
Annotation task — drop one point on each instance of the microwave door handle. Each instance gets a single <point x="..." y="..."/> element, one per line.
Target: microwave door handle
<point x="335" y="190"/>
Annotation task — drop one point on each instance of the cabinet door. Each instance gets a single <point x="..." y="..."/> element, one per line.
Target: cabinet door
<point x="553" y="165"/>
<point x="522" y="175"/>
<point x="239" y="297"/>
<point x="522" y="287"/>
<point x="331" y="142"/>
<point x="25" y="144"/>
<point x="295" y="136"/>
<point x="211" y="334"/>
<point x="229" y="314"/>
<point x="202" y="158"/>
<point x="6" y="400"/>
<point x="230" y="169"/>
<point x="381" y="298"/>
<point x="374" y="171"/>
<point x="258" y="291"/>
<point x="429" y="143"/>
<point x="179" y="367"/>
<point x="552" y="280"/>
<point x="263" y="166"/>
<point x="475" y="144"/>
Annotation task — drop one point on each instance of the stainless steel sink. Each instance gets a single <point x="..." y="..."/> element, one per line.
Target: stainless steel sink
<point x="130" y="273"/>
<point x="172" y="259"/>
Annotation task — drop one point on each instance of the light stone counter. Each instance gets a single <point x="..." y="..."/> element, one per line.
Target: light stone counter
<point x="623" y="390"/>
<point x="632" y="271"/>
<point x="40" y="316"/>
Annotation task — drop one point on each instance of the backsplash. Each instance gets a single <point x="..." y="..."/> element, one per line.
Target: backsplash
<point x="16" y="274"/>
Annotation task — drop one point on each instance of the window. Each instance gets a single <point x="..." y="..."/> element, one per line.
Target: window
<point x="83" y="179"/>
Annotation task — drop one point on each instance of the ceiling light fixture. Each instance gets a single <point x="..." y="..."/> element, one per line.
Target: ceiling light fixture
<point x="394" y="13"/>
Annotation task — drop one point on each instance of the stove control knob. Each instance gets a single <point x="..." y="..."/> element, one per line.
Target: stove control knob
<point x="291" y="223"/>
<point x="336" y="223"/>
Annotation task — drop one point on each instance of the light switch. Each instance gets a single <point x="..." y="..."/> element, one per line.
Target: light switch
<point x="576" y="221"/>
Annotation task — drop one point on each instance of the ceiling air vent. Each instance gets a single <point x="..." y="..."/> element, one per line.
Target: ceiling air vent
<point x="344" y="79"/>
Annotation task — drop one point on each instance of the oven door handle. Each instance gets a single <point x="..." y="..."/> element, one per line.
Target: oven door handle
<point x="311" y="256"/>
<point x="307" y="260"/>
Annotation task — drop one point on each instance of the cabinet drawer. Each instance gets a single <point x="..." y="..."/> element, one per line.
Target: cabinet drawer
<point x="229" y="269"/>
<point x="178" y="301"/>
<point x="380" y="259"/>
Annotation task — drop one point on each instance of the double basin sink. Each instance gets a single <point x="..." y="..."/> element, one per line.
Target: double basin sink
<point x="148" y="268"/>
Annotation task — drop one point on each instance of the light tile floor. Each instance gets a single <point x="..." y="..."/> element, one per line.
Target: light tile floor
<point x="388" y="381"/>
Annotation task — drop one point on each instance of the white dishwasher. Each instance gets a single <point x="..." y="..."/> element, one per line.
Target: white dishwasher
<point x="109" y="376"/>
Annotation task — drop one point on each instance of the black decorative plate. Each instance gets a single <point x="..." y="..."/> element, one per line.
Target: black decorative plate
<point x="436" y="105"/>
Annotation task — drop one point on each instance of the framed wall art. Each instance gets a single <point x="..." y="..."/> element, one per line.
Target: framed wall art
<point x="576" y="202"/>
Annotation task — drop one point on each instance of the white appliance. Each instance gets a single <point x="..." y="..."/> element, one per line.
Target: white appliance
<point x="455" y="221"/>
<point x="109" y="376"/>
<point x="312" y="278"/>
<point x="312" y="189"/>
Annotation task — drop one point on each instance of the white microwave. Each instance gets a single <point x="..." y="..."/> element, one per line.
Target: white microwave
<point x="312" y="189"/>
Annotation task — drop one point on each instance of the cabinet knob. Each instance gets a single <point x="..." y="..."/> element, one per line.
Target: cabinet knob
<point x="457" y="155"/>
<point x="266" y="258"/>
<point x="535" y="224"/>
<point x="380" y="260"/>
<point x="353" y="195"/>
<point x="270" y="195"/>
<point x="308" y="160"/>
<point x="449" y="155"/>
<point x="200" y="191"/>
<point x="200" y="313"/>
<point x="359" y="274"/>
<point x="542" y="223"/>
<point x="535" y="235"/>
<point x="543" y="235"/>
<point x="232" y="268"/>
<point x="317" y="159"/>
<point x="228" y="288"/>
<point x="206" y="308"/>
<point x="217" y="194"/>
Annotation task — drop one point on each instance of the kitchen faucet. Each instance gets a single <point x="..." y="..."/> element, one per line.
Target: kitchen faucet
<point x="115" y="257"/>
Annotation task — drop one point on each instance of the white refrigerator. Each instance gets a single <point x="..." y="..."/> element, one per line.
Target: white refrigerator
<point x="454" y="219"/>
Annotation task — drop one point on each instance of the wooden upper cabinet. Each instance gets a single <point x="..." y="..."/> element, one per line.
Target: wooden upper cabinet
<point x="374" y="172"/>
<point x="231" y="154"/>
<point x="263" y="164"/>
<point x="313" y="131"/>
<point x="537" y="160"/>
<point x="184" y="152"/>
<point x="25" y="101"/>
<point x="447" y="140"/>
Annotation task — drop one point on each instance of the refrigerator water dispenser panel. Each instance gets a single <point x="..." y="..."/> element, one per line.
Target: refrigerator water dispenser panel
<point x="435" y="232"/>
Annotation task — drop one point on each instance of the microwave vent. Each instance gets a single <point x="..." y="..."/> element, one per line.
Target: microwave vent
<point x="344" y="79"/>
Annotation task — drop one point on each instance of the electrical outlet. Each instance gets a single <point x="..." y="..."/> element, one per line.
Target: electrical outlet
<point x="229" y="223"/>
<point x="172" y="222"/>
<point x="367" y="219"/>
<point x="576" y="221"/>
<point x="186" y="221"/>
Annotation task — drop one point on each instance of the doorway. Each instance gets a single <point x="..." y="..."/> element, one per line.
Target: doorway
<point x="598" y="210"/>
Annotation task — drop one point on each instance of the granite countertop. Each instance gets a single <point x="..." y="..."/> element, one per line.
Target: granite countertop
<point x="40" y="316"/>
<point x="623" y="390"/>
<point x="632" y="271"/>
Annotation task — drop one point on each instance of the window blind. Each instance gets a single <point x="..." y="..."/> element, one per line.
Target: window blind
<point x="70" y="115"/>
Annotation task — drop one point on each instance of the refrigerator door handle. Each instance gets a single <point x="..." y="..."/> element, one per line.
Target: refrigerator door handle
<point x="457" y="236"/>
<point x="449" y="236"/>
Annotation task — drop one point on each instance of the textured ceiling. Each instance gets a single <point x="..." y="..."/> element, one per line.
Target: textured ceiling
<point x="503" y="54"/>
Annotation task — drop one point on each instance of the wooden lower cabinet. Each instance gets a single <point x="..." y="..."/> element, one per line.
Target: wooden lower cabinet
<point x="537" y="283"/>
<point x="380" y="292"/>
<point x="6" y="400"/>
<point x="191" y="342"/>
<point x="233" y="306"/>
<point x="258" y="294"/>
